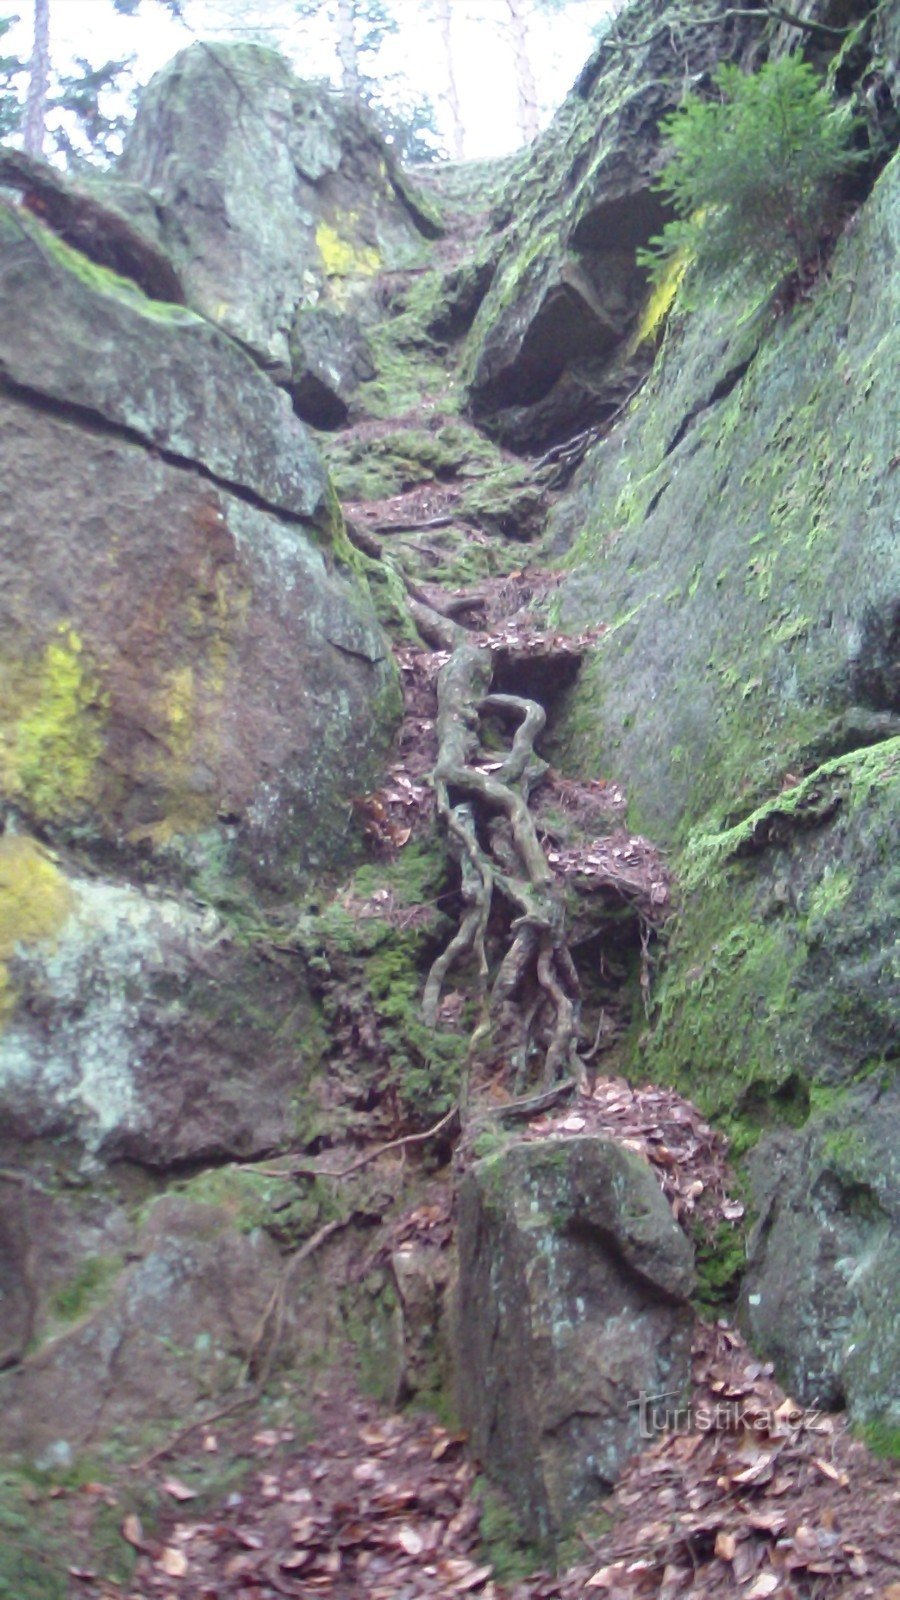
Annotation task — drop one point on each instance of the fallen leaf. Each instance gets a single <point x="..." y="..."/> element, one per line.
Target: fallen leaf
<point x="178" y="1490"/>
<point x="173" y="1562"/>
<point x="409" y="1540"/>
<point x="765" y="1584"/>
<point x="133" y="1531"/>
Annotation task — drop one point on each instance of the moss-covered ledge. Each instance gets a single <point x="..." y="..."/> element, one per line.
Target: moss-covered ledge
<point x="783" y="977"/>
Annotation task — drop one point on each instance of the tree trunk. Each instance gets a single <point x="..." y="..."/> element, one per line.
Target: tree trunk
<point x="348" y="56"/>
<point x="35" y="123"/>
<point x="526" y="88"/>
<point x="457" y="130"/>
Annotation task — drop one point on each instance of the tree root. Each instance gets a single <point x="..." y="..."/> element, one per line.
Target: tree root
<point x="532" y="1008"/>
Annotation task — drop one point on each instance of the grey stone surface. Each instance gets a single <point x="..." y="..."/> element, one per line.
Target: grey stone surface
<point x="820" y="1294"/>
<point x="573" y="1277"/>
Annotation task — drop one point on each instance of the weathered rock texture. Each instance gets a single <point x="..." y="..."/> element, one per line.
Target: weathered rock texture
<point x="563" y="334"/>
<point x="737" y="536"/>
<point x="573" y="1277"/>
<point x="135" y="1342"/>
<point x="188" y="670"/>
<point x="268" y="193"/>
<point x="138" y="1025"/>
<point x="820" y="1294"/>
<point x="79" y="336"/>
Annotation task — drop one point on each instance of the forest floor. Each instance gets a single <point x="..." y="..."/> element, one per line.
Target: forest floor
<point x="745" y="1495"/>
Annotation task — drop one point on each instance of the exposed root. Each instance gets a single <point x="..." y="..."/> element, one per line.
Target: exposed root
<point x="483" y="803"/>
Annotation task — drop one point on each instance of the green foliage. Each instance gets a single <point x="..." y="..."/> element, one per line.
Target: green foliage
<point x="11" y="68"/>
<point x="755" y="174"/>
<point x="86" y="128"/>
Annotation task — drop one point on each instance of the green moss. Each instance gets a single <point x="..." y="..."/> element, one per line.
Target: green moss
<point x="86" y="1289"/>
<point x="426" y="1061"/>
<point x="852" y="777"/>
<point x="882" y="1438"/>
<point x="720" y="1262"/>
<point x="504" y="1541"/>
<point x="371" y="964"/>
<point x="254" y="1201"/>
<point x="370" y="1314"/>
<point x="102" y="280"/>
<point x="762" y="999"/>
<point x="46" y="1523"/>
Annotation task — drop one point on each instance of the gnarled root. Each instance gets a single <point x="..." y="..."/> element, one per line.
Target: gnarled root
<point x="533" y="1005"/>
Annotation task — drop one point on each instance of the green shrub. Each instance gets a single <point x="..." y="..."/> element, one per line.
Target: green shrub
<point x="755" y="174"/>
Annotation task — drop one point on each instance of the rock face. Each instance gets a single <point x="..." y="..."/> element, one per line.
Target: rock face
<point x="573" y="1278"/>
<point x="737" y="537"/>
<point x="188" y="671"/>
<point x="820" y="1290"/>
<point x="330" y="357"/>
<point x="90" y="342"/>
<point x="562" y="336"/>
<point x="268" y="193"/>
<point x="137" y="1025"/>
<point x="135" y="1341"/>
<point x="749" y="622"/>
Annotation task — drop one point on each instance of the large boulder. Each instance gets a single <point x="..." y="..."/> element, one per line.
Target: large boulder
<point x="160" y="1315"/>
<point x="330" y="358"/>
<point x="267" y="192"/>
<point x="571" y="1304"/>
<point x="561" y="337"/>
<point x="137" y="1026"/>
<point x="76" y="335"/>
<point x="191" y="672"/>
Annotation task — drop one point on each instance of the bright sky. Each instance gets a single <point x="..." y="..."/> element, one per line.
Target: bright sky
<point x="559" y="47"/>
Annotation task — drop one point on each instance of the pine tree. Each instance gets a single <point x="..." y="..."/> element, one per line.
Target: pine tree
<point x="457" y="129"/>
<point x="755" y="174"/>
<point x="11" y="69"/>
<point x="34" y="122"/>
<point x="85" y="129"/>
<point x="526" y="88"/>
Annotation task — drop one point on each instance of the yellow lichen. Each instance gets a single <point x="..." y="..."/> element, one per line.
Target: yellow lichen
<point x="51" y="730"/>
<point x="659" y="303"/>
<point x="35" y="902"/>
<point x="342" y="257"/>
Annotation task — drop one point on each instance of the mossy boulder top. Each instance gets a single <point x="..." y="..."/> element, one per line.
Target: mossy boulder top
<point x="267" y="192"/>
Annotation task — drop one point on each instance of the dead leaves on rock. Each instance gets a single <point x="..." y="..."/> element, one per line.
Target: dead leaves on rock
<point x="628" y="866"/>
<point x="687" y="1155"/>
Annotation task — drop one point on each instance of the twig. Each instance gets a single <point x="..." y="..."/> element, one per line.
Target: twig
<point x="531" y="1105"/>
<point x="361" y="1161"/>
<point x="414" y="527"/>
<point x="246" y="1399"/>
<point x="266" y="1342"/>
